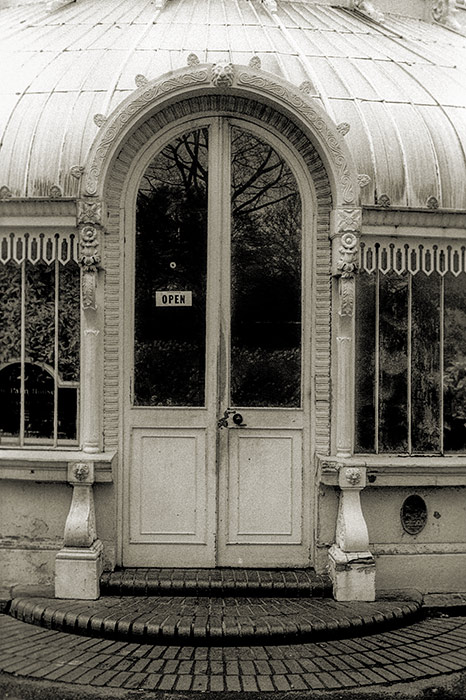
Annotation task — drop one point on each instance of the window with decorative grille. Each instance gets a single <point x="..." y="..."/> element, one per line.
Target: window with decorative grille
<point x="39" y="339"/>
<point x="411" y="348"/>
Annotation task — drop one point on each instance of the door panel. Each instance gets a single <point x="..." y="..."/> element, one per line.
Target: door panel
<point x="170" y="500"/>
<point x="264" y="487"/>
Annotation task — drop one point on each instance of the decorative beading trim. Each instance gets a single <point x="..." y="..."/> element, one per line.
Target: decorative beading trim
<point x="408" y="255"/>
<point x="35" y="247"/>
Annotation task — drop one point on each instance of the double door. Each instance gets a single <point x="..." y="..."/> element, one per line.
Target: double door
<point x="217" y="405"/>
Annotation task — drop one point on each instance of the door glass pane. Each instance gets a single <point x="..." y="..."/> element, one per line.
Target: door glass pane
<point x="170" y="283"/>
<point x="265" y="276"/>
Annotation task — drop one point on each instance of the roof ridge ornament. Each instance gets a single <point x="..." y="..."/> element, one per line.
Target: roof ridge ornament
<point x="255" y="63"/>
<point x="307" y="87"/>
<point x="55" y="192"/>
<point x="99" y="119"/>
<point x="363" y="180"/>
<point x="444" y="12"/>
<point x="343" y="128"/>
<point x="383" y="201"/>
<point x="367" y="8"/>
<point x="5" y="192"/>
<point x="58" y="4"/>
<point x="271" y="5"/>
<point x="193" y="60"/>
<point x="77" y="171"/>
<point x="140" y="80"/>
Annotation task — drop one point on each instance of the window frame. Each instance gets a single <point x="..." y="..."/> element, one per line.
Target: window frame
<point x="408" y="255"/>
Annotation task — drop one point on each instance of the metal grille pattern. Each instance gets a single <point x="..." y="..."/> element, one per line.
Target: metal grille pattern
<point x="403" y="255"/>
<point x="32" y="247"/>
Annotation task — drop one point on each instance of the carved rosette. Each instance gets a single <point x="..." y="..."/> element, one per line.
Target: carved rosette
<point x="89" y="217"/>
<point x="346" y="256"/>
<point x="89" y="255"/>
<point x="347" y="263"/>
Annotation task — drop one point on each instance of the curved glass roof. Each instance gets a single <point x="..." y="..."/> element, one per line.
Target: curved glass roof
<point x="401" y="84"/>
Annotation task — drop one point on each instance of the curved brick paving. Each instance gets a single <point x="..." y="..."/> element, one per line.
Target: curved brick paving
<point x="425" y="649"/>
<point x="213" y="620"/>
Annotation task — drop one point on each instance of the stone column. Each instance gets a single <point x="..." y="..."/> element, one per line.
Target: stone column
<point x="352" y="565"/>
<point x="78" y="564"/>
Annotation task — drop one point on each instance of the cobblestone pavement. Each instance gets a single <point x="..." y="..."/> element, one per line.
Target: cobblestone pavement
<point x="425" y="650"/>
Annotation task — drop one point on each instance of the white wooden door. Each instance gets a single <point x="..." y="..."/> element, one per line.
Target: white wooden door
<point x="217" y="391"/>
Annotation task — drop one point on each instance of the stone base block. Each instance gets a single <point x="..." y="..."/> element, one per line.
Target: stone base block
<point x="352" y="574"/>
<point x="78" y="571"/>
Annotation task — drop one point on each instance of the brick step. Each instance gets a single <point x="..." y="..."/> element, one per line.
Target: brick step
<point x="215" y="621"/>
<point x="289" y="583"/>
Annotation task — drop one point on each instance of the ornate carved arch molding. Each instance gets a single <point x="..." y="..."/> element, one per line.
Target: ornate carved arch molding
<point x="257" y="85"/>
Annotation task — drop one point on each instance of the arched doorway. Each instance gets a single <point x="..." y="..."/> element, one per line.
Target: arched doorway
<point x="218" y="296"/>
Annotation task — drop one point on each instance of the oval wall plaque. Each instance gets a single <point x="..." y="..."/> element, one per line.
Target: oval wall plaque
<point x="413" y="514"/>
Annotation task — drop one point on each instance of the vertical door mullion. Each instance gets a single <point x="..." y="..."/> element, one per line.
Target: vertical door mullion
<point x="225" y="270"/>
<point x="214" y="247"/>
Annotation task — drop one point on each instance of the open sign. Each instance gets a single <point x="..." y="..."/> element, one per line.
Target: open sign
<point x="173" y="298"/>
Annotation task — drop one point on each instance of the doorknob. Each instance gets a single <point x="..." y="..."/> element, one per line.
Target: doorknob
<point x="237" y="419"/>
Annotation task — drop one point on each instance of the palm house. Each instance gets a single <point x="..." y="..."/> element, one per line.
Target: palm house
<point x="233" y="290"/>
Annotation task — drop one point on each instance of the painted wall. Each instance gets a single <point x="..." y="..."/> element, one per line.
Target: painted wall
<point x="32" y="523"/>
<point x="433" y="560"/>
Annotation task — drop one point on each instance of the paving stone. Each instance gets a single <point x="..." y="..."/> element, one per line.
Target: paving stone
<point x="217" y="683"/>
<point x="232" y="683"/>
<point x="183" y="683"/>
<point x="199" y="683"/>
<point x="313" y="681"/>
<point x="151" y="681"/>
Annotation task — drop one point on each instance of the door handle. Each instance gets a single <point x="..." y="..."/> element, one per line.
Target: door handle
<point x="236" y="417"/>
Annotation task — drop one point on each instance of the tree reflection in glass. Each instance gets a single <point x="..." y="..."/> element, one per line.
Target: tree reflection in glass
<point x="171" y="255"/>
<point x="265" y="276"/>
